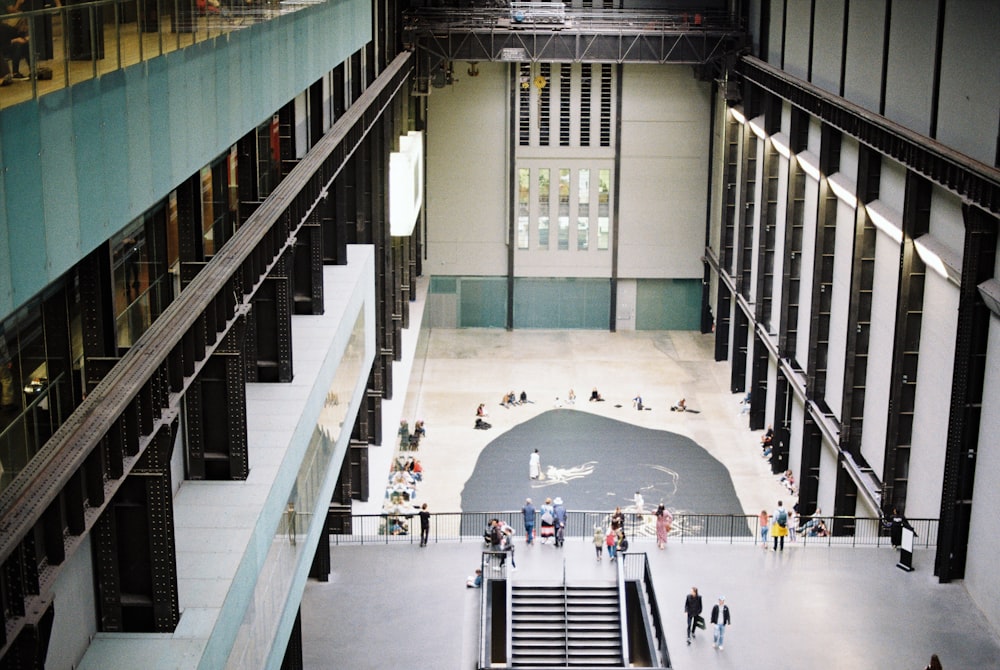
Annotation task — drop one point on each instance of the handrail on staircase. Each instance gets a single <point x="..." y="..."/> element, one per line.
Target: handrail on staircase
<point x="565" y="600"/>
<point x="483" y="605"/>
<point x="654" y="609"/>
<point x="623" y="609"/>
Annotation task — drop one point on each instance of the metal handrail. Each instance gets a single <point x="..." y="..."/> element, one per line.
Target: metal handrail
<point x="687" y="528"/>
<point x="623" y="608"/>
<point x="584" y="20"/>
<point x="483" y="609"/>
<point x="565" y="590"/>
<point x="103" y="36"/>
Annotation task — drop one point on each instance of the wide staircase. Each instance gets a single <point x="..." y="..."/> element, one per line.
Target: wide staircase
<point x="565" y="626"/>
<point x="539" y="619"/>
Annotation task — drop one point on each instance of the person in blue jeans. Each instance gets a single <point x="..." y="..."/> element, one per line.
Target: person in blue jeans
<point x="720" y="619"/>
<point x="529" y="521"/>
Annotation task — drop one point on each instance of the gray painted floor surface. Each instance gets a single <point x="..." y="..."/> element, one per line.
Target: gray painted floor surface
<point x="807" y="607"/>
<point x="402" y="606"/>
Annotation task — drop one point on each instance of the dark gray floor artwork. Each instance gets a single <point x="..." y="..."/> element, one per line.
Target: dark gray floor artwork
<point x="597" y="463"/>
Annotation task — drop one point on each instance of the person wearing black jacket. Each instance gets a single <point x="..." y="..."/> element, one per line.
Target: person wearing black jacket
<point x="720" y="619"/>
<point x="692" y="607"/>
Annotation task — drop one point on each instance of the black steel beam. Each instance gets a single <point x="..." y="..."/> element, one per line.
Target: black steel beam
<point x="975" y="182"/>
<point x="93" y="435"/>
<point x="579" y="35"/>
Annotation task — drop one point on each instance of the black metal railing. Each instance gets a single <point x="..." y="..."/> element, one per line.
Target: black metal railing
<point x="687" y="529"/>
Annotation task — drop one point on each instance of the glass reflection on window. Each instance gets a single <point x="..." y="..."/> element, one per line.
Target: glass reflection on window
<point x="583" y="210"/>
<point x="603" y="208"/>
<point x="544" y="208"/>
<point x="523" y="220"/>
<point x="563" y="209"/>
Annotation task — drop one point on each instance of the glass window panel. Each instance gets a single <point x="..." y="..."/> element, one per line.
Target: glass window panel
<point x="523" y="219"/>
<point x="603" y="208"/>
<point x="544" y="208"/>
<point x="563" y="209"/>
<point x="583" y="210"/>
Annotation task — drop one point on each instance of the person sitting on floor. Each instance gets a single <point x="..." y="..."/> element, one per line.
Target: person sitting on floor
<point x="808" y="525"/>
<point x="482" y="425"/>
<point x="819" y="530"/>
<point x="418" y="433"/>
<point x="475" y="581"/>
<point x="766" y="442"/>
<point x="595" y="396"/>
<point x="637" y="401"/>
<point x="788" y="480"/>
<point x="524" y="398"/>
<point x="681" y="406"/>
<point x="414" y="469"/>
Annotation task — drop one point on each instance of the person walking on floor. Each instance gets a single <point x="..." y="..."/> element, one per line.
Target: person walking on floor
<point x="779" y="526"/>
<point x="621" y="543"/>
<point x="664" y="522"/>
<point x="692" y="608"/>
<point x="425" y="525"/>
<point x="720" y="619"/>
<point x="535" y="465"/>
<point x="611" y="539"/>
<point x="529" y="521"/>
<point x="598" y="542"/>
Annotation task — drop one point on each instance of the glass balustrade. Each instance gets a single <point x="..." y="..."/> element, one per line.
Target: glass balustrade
<point x="73" y="42"/>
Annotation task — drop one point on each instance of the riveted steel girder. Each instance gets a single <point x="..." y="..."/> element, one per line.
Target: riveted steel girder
<point x="609" y="36"/>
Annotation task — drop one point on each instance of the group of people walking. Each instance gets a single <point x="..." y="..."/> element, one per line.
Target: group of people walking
<point x="720" y="618"/>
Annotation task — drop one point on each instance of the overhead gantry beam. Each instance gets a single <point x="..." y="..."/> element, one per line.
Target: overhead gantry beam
<point x="593" y="36"/>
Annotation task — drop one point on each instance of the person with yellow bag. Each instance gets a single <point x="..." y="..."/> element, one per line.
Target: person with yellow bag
<point x="779" y="526"/>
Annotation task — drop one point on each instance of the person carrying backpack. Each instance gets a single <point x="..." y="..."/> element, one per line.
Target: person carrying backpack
<point x="779" y="526"/>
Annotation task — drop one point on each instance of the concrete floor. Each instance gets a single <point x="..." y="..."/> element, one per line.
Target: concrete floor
<point x="812" y="607"/>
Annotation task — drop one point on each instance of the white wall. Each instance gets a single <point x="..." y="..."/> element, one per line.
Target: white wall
<point x="467" y="209"/>
<point x="947" y="224"/>
<point x="75" y="609"/>
<point x="759" y="197"/>
<point x="863" y="68"/>
<point x="911" y="60"/>
<point x="797" y="22"/>
<point x="827" y="40"/>
<point x="808" y="258"/>
<point x="664" y="172"/>
<point x="781" y="225"/>
<point x="933" y="397"/>
<point x="984" y="527"/>
<point x="828" y="472"/>
<point x="840" y="306"/>
<point x="970" y="87"/>
<point x="881" y="342"/>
